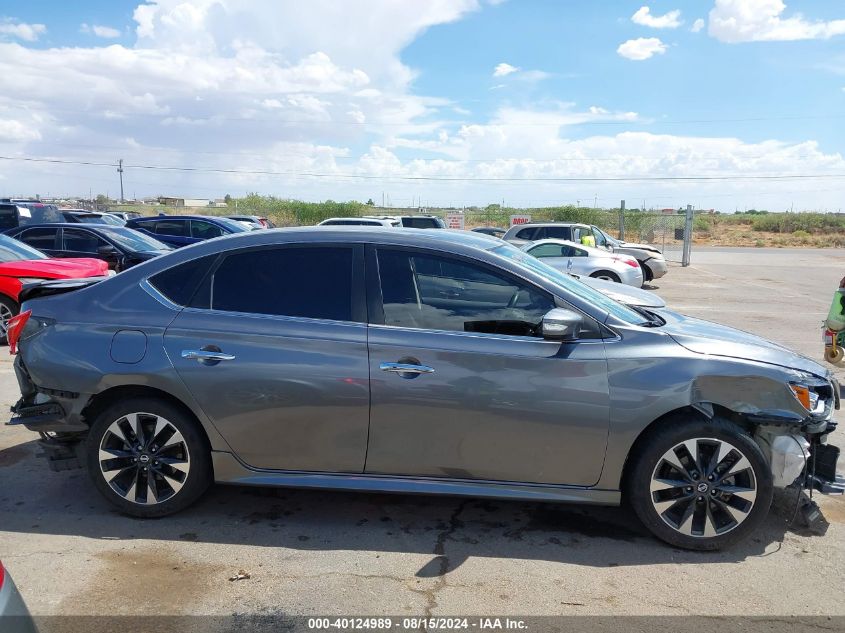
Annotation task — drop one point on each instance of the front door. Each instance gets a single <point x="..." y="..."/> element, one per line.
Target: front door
<point x="462" y="385"/>
<point x="274" y="348"/>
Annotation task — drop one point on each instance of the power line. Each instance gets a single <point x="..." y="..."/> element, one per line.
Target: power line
<point x="262" y="172"/>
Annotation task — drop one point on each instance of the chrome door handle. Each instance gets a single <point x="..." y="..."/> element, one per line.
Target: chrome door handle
<point x="206" y="355"/>
<point x="405" y="368"/>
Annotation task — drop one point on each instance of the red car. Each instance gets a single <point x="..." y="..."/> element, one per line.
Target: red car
<point x="20" y="263"/>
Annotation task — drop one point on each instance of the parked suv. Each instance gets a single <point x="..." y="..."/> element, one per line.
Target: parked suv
<point x="181" y="230"/>
<point x="414" y="361"/>
<point x="15" y="213"/>
<point x="651" y="260"/>
<point x="413" y="221"/>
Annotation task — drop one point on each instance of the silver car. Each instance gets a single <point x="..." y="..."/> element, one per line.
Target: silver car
<point x="584" y="260"/>
<point x="412" y="361"/>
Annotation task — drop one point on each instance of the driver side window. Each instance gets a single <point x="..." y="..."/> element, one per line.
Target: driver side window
<point x="441" y="293"/>
<point x="599" y="237"/>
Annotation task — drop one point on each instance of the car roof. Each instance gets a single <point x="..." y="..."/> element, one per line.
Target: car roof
<point x="178" y="217"/>
<point x="541" y="224"/>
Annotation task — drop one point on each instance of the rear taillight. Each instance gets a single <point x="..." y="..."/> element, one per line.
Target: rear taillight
<point x="263" y="222"/>
<point x="14" y="329"/>
<point x="633" y="263"/>
<point x="2" y="575"/>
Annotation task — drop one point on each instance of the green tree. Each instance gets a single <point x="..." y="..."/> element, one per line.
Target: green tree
<point x="370" y="203"/>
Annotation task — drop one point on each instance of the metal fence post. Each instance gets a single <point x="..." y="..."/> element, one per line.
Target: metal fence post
<point x="622" y="221"/>
<point x="687" y="237"/>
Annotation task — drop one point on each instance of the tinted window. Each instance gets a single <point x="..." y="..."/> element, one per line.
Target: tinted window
<point x="176" y="228"/>
<point x="8" y="216"/>
<point x="551" y="250"/>
<point x="179" y="283"/>
<point x="82" y="241"/>
<point x="313" y="282"/>
<point x="37" y="213"/>
<point x="440" y="293"/>
<point x="526" y="234"/>
<point x="39" y="238"/>
<point x="12" y="250"/>
<point x="557" y="232"/>
<point x="420" y="223"/>
<point x="205" y="230"/>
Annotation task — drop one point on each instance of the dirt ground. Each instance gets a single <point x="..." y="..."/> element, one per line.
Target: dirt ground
<point x="313" y="553"/>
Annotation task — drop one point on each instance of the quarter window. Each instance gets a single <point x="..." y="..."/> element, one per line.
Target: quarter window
<point x="179" y="283"/>
<point x="438" y="293"/>
<point x="314" y="282"/>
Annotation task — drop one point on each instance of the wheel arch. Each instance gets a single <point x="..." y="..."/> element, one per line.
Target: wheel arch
<point x="103" y="400"/>
<point x="701" y="410"/>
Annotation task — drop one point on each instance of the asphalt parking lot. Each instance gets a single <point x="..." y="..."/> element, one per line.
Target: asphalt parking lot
<point x="341" y="553"/>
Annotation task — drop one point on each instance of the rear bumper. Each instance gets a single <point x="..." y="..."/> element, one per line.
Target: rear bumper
<point x="46" y="410"/>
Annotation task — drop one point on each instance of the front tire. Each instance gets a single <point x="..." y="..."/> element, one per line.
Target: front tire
<point x="148" y="457"/>
<point x="606" y="275"/>
<point x="699" y="484"/>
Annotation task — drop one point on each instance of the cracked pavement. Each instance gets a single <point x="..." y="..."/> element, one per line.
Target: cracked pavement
<point x="317" y="553"/>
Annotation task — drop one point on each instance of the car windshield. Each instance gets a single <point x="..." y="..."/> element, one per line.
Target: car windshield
<point x="134" y="240"/>
<point x="565" y="281"/>
<point x="12" y="250"/>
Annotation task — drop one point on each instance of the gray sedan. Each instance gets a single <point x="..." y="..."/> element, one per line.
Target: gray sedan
<point x="418" y="362"/>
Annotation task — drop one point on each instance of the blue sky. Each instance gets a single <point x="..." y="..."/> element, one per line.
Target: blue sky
<point x="452" y="101"/>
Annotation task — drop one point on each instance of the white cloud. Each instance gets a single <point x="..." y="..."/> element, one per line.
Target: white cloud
<point x="697" y="25"/>
<point x="21" y="30"/>
<point x="644" y="17"/>
<point x="105" y="32"/>
<point x="761" y="20"/>
<point x="641" y="48"/>
<point x="503" y="69"/>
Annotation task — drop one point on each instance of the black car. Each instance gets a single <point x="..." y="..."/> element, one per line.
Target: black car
<point x="81" y="216"/>
<point x="122" y="248"/>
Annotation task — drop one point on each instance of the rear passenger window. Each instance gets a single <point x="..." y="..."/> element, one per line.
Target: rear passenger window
<point x="314" y="282"/>
<point x="8" y="217"/>
<point x="526" y="234"/>
<point x="180" y="282"/>
<point x="39" y="238"/>
<point x="205" y="230"/>
<point x="176" y="228"/>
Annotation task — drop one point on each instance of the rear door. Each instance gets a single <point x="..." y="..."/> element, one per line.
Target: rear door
<point x="274" y="348"/>
<point x="556" y="255"/>
<point x="176" y="232"/>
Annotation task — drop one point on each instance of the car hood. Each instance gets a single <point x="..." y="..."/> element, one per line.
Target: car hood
<point x="623" y="293"/>
<point x="704" y="337"/>
<point x="639" y="247"/>
<point x="55" y="268"/>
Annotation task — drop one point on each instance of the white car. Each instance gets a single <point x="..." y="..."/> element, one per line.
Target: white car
<point x="570" y="257"/>
<point x="392" y="222"/>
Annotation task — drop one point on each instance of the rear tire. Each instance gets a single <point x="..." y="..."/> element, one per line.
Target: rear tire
<point x="647" y="274"/>
<point x="704" y="501"/>
<point x="606" y="275"/>
<point x="148" y="457"/>
<point x="8" y="308"/>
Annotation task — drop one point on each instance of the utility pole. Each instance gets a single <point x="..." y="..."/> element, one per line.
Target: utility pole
<point x="622" y="220"/>
<point x="120" y="171"/>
